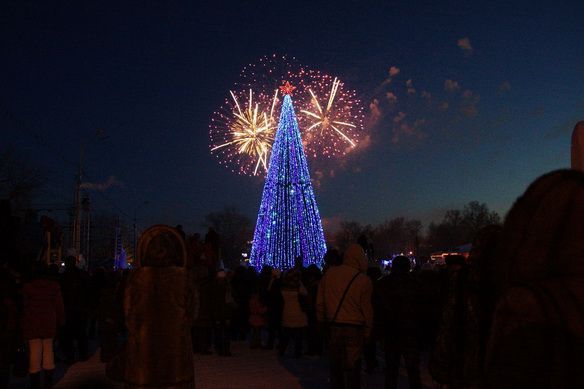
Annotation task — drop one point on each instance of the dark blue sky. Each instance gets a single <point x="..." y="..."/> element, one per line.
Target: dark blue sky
<point x="150" y="75"/>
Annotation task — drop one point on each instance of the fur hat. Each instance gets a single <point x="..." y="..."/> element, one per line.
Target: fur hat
<point x="161" y="246"/>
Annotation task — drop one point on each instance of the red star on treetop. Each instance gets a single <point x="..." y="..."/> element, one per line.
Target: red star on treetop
<point x="287" y="88"/>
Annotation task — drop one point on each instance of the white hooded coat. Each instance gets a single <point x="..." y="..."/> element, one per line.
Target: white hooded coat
<point x="357" y="307"/>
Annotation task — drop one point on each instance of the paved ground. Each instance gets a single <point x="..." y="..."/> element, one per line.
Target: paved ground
<point x="244" y="369"/>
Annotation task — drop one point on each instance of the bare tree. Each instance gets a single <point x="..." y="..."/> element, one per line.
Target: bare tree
<point x="349" y="232"/>
<point x="396" y="235"/>
<point x="477" y="215"/>
<point x="234" y="229"/>
<point x="460" y="226"/>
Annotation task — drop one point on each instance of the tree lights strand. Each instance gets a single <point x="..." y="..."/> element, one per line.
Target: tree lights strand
<point x="288" y="224"/>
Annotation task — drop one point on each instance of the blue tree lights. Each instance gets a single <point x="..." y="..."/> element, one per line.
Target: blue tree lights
<point x="288" y="224"/>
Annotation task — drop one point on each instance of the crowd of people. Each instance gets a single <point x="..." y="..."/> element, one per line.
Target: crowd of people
<point x="508" y="316"/>
<point x="49" y="305"/>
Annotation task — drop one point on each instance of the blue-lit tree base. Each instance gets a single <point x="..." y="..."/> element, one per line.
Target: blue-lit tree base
<point x="288" y="224"/>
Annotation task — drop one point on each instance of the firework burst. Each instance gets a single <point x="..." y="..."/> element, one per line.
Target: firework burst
<point x="268" y="73"/>
<point x="242" y="131"/>
<point x="331" y="116"/>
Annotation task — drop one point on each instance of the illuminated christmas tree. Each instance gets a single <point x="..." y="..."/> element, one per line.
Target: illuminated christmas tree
<point x="288" y="224"/>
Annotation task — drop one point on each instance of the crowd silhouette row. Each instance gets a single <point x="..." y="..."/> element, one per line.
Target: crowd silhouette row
<point x="511" y="315"/>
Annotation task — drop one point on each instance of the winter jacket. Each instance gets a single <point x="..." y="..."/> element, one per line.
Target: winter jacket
<point x="293" y="316"/>
<point x="399" y="309"/>
<point x="160" y="304"/>
<point x="75" y="284"/>
<point x="357" y="308"/>
<point x="224" y="305"/>
<point x="257" y="311"/>
<point x="205" y="317"/>
<point x="43" y="309"/>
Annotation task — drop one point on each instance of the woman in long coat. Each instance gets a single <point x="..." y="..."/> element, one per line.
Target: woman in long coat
<point x="43" y="312"/>
<point x="160" y="304"/>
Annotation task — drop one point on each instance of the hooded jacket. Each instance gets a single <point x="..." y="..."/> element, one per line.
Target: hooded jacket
<point x="357" y="308"/>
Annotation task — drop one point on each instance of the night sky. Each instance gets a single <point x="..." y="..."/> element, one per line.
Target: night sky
<point x="494" y="93"/>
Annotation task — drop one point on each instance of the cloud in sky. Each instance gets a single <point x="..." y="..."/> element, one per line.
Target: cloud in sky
<point x="362" y="145"/>
<point x="101" y="186"/>
<point x="406" y="113"/>
<point x="468" y="105"/>
<point x="399" y="117"/>
<point x="393" y="71"/>
<point x="374" y="112"/>
<point x="504" y="87"/>
<point x="316" y="179"/>
<point x="464" y="45"/>
<point x="410" y="85"/>
<point x="451" y="85"/>
<point x="405" y="130"/>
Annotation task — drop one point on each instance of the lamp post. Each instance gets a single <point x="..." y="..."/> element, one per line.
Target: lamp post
<point x="76" y="233"/>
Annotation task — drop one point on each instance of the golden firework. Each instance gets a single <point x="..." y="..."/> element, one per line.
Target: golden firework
<point x="245" y="136"/>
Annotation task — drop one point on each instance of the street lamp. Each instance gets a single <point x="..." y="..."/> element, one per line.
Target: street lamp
<point x="99" y="136"/>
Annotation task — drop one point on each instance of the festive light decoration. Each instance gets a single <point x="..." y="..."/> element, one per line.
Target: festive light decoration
<point x="242" y="133"/>
<point x="331" y="115"/>
<point x="288" y="224"/>
<point x="268" y="72"/>
<point x="287" y="88"/>
<point x="120" y="260"/>
<point x="242" y="130"/>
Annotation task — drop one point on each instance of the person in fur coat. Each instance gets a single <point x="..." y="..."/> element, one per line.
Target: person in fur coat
<point x="160" y="305"/>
